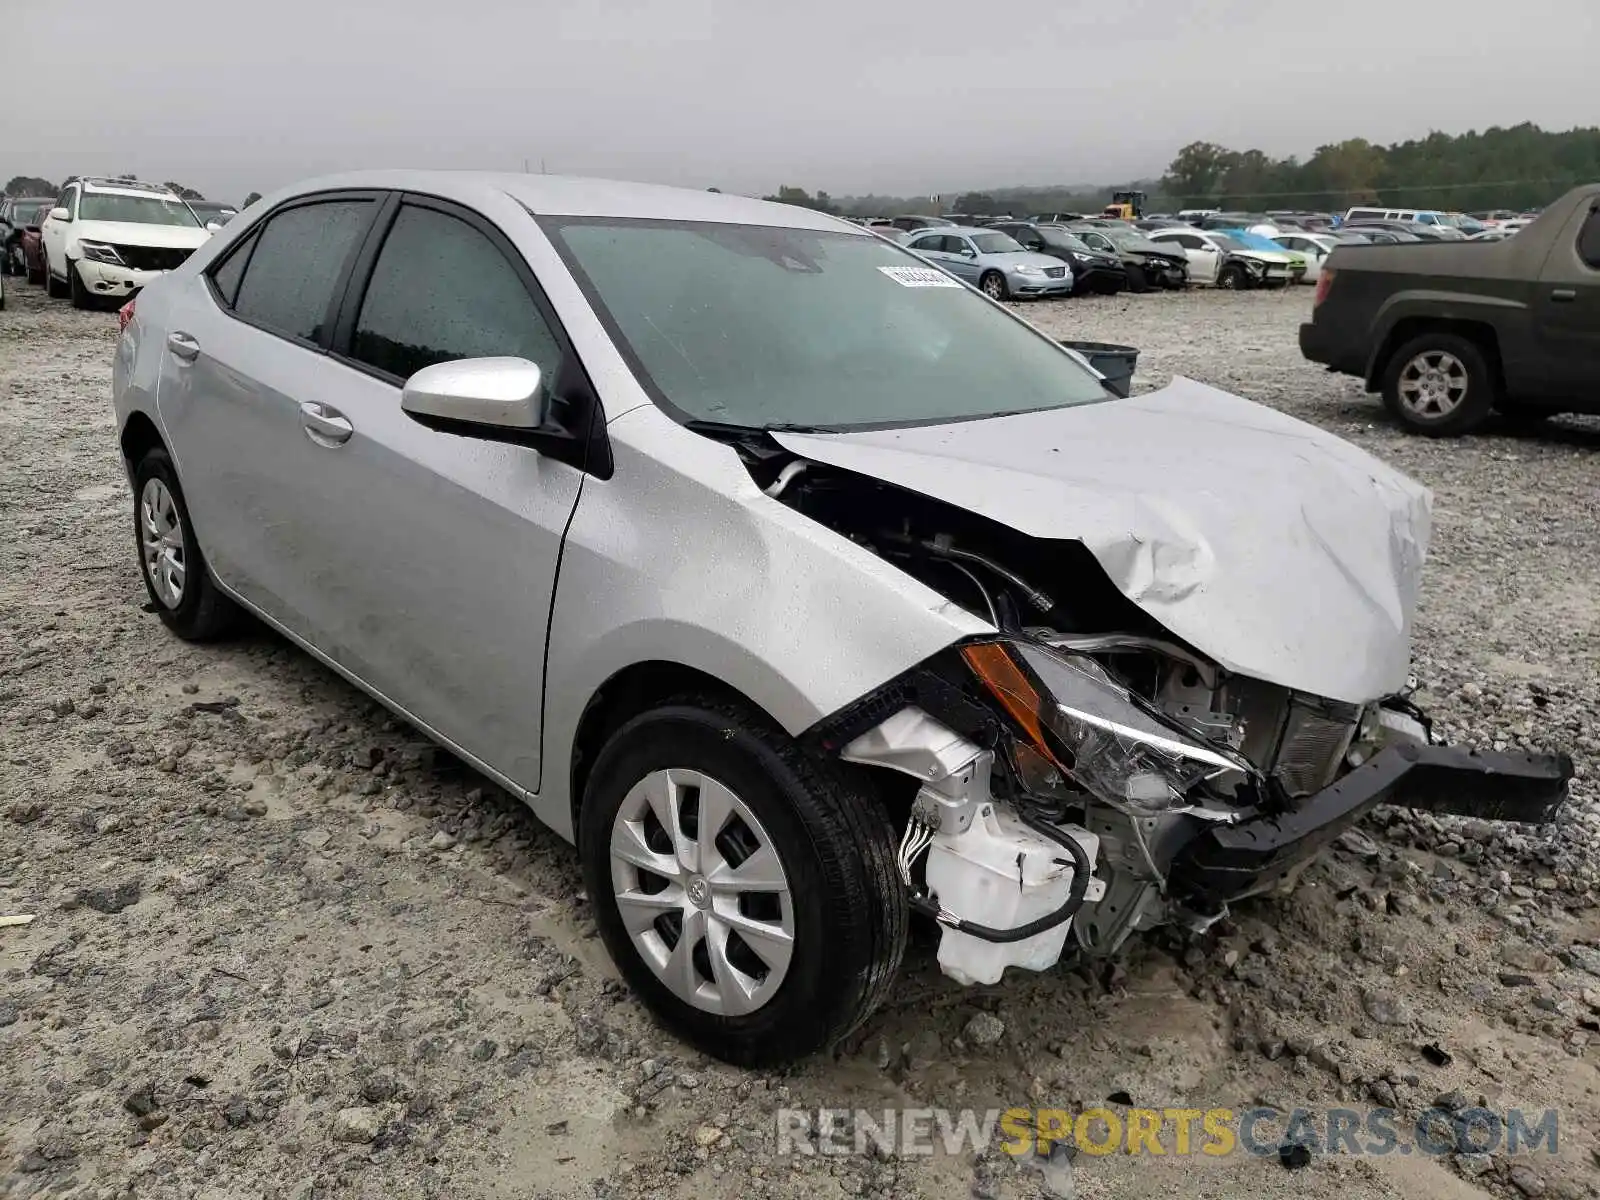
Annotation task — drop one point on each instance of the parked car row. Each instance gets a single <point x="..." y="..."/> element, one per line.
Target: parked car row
<point x="101" y="240"/>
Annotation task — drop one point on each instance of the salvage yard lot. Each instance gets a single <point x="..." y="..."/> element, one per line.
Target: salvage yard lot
<point x="284" y="949"/>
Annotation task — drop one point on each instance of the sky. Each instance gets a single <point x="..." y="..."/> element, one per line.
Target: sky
<point x="916" y="98"/>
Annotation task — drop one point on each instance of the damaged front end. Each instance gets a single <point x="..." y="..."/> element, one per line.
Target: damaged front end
<point x="1054" y="797"/>
<point x="1086" y="772"/>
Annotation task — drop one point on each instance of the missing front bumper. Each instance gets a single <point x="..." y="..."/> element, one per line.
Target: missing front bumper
<point x="1229" y="862"/>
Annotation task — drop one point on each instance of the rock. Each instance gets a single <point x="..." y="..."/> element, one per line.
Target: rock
<point x="707" y="1136"/>
<point x="357" y="1125"/>
<point x="484" y="1051"/>
<point x="380" y="1089"/>
<point x="237" y="1112"/>
<point x="1515" y="979"/>
<point x="111" y="898"/>
<point x="8" y="1014"/>
<point x="922" y="1051"/>
<point x="1452" y="1101"/>
<point x="26" y="812"/>
<point x="1358" y="843"/>
<point x="1474" y="1165"/>
<point x="315" y="839"/>
<point x="141" y="1103"/>
<point x="441" y="841"/>
<point x="1384" y="1007"/>
<point x="985" y="1029"/>
<point x="1272" y="1048"/>
<point x="1526" y="1180"/>
<point x="1582" y="958"/>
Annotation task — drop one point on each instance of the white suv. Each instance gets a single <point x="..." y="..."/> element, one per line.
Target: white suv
<point x="107" y="238"/>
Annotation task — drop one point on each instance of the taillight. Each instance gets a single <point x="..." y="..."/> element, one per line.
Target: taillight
<point x="1324" y="282"/>
<point x="125" y="314"/>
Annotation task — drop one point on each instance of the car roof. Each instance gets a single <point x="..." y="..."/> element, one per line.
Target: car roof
<point x="560" y="195"/>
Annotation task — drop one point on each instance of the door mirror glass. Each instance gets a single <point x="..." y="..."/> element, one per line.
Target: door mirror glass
<point x="212" y="227"/>
<point x="485" y="395"/>
<point x="58" y="213"/>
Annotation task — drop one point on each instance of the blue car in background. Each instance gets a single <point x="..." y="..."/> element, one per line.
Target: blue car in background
<point x="994" y="262"/>
<point x="1265" y="245"/>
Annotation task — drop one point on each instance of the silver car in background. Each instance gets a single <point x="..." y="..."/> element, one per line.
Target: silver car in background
<point x="801" y="586"/>
<point x="994" y="262"/>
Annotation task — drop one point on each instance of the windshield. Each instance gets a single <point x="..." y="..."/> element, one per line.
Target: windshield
<point x="1060" y="239"/>
<point x="137" y="210"/>
<point x="1252" y="241"/>
<point x="764" y="327"/>
<point x="1230" y="242"/>
<point x="996" y="243"/>
<point x="1127" y="239"/>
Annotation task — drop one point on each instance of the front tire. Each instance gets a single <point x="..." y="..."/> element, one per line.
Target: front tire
<point x="55" y="290"/>
<point x="1233" y="278"/>
<point x="745" y="888"/>
<point x="993" y="285"/>
<point x="75" y="287"/>
<point x="1439" y="385"/>
<point x="174" y="570"/>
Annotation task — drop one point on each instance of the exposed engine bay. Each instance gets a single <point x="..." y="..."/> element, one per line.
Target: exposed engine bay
<point x="1086" y="772"/>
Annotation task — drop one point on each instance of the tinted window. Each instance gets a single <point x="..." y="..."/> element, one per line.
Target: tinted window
<point x="441" y="290"/>
<point x="996" y="243"/>
<point x="1589" y="240"/>
<point x="227" y="276"/>
<point x="926" y="244"/>
<point x="299" y="256"/>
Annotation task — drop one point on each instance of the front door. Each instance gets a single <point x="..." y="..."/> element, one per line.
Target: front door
<point x="1567" y="308"/>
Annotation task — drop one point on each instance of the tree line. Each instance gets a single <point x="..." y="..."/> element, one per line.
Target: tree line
<point x="1519" y="167"/>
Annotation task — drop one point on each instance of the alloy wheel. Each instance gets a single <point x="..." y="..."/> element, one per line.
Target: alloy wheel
<point x="702" y="892"/>
<point x="1433" y="384"/>
<point x="994" y="287"/>
<point x="161" y="539"/>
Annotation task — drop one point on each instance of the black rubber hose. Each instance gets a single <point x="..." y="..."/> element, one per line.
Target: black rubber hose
<point x="1082" y="868"/>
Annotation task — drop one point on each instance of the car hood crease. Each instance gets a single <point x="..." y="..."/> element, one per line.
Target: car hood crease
<point x="1279" y="550"/>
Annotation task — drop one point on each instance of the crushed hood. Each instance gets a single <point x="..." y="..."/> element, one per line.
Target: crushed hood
<point x="1279" y="550"/>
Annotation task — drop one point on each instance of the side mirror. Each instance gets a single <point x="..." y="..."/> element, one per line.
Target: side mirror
<point x="59" y="213"/>
<point x="479" y="396"/>
<point x="212" y="227"/>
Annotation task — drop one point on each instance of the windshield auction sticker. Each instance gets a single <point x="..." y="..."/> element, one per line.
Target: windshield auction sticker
<point x="920" y="277"/>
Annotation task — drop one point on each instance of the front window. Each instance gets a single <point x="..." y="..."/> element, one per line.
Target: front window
<point x="765" y="327"/>
<point x="996" y="243"/>
<point x="135" y="210"/>
<point x="1129" y="240"/>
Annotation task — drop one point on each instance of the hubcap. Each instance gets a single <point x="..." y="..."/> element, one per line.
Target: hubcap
<point x="161" y="540"/>
<point x="1433" y="385"/>
<point x="702" y="892"/>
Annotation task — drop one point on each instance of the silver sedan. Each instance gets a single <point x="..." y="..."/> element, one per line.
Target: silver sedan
<point x="801" y="586"/>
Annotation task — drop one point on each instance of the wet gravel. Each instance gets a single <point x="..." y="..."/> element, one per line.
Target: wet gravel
<point x="282" y="948"/>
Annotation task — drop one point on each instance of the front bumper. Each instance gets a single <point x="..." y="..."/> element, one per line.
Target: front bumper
<point x="1039" y="285"/>
<point x="1229" y="862"/>
<point x="104" y="279"/>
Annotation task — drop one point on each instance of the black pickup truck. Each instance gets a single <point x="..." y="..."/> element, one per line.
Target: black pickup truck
<point x="1452" y="331"/>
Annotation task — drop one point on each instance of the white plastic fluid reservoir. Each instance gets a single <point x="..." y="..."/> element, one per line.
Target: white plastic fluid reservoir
<point x="1002" y="874"/>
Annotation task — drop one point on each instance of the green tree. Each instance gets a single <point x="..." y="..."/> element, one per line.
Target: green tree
<point x="980" y="203"/>
<point x="800" y="198"/>
<point x="1196" y="174"/>
<point x="30" y="185"/>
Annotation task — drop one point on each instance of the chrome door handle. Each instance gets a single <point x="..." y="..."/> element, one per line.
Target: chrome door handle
<point x="183" y="346"/>
<point x="1564" y="294"/>
<point x="324" y="425"/>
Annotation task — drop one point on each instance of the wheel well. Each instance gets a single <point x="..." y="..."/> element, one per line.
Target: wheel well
<point x="638" y="688"/>
<point x="139" y="437"/>
<point x="1479" y="333"/>
<point x="626" y="694"/>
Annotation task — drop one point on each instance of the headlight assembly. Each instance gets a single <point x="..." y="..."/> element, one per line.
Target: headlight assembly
<point x="1096" y="733"/>
<point x="1028" y="269"/>
<point x="100" y="252"/>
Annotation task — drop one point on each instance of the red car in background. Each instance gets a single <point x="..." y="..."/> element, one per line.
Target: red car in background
<point x="32" y="248"/>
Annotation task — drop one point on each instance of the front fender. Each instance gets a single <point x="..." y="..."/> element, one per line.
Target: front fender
<point x="680" y="558"/>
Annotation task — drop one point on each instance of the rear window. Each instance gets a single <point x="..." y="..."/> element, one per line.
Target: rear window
<point x="299" y="257"/>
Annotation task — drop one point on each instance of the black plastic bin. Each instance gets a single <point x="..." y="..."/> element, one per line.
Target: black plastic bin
<point x="1115" y="362"/>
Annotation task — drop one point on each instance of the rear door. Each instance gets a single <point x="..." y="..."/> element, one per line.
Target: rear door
<point x="246" y="346"/>
<point x="53" y="233"/>
<point x="1567" y="304"/>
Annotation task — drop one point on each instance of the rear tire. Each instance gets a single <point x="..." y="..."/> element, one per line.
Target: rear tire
<point x="55" y="290"/>
<point x="819" y="831"/>
<point x="174" y="570"/>
<point x="1439" y="385"/>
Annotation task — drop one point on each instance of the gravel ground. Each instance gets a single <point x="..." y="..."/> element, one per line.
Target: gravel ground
<point x="283" y="948"/>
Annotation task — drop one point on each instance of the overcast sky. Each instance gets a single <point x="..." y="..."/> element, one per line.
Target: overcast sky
<point x="907" y="98"/>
